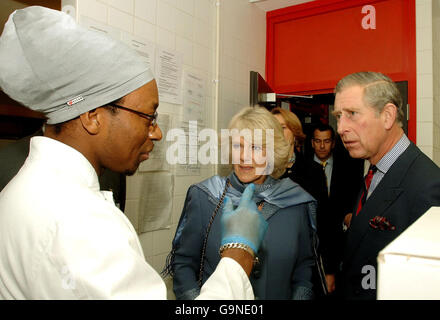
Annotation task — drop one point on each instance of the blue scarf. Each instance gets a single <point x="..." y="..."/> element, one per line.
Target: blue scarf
<point x="281" y="193"/>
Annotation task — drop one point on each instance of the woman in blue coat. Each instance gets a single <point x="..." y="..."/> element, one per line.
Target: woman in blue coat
<point x="286" y="257"/>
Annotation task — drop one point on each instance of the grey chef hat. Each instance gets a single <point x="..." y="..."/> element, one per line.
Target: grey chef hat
<point x="52" y="65"/>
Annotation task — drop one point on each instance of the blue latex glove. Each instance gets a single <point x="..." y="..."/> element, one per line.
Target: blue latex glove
<point x="245" y="224"/>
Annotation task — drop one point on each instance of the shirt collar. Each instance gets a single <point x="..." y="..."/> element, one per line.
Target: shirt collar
<point x="329" y="161"/>
<point x="391" y="156"/>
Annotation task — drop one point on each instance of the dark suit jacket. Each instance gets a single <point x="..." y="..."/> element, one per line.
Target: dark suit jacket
<point x="345" y="184"/>
<point x="346" y="181"/>
<point x="310" y="176"/>
<point x="407" y="191"/>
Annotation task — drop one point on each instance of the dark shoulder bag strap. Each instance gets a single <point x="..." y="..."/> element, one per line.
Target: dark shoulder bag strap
<point x="205" y="241"/>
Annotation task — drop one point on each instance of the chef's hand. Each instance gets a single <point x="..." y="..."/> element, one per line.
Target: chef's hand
<point x="245" y="224"/>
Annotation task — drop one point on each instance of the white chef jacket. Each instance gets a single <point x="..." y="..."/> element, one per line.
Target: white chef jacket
<point x="62" y="238"/>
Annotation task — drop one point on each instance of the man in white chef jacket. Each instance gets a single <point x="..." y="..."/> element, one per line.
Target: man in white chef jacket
<point x="60" y="236"/>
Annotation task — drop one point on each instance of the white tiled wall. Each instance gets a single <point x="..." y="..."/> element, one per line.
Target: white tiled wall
<point x="242" y="49"/>
<point x="189" y="27"/>
<point x="428" y="77"/>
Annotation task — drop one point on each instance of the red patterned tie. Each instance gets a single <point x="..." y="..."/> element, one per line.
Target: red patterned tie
<point x="371" y="171"/>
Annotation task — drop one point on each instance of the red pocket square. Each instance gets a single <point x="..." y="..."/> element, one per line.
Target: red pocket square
<point x="381" y="223"/>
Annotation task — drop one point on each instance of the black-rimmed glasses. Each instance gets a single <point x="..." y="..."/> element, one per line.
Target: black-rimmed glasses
<point x="152" y="118"/>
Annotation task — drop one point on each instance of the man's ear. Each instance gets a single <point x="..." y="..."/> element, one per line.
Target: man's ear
<point x="389" y="114"/>
<point x="92" y="121"/>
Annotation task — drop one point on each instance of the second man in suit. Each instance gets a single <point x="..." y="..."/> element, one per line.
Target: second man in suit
<point x="343" y="176"/>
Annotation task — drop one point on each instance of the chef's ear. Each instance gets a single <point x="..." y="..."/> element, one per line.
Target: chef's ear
<point x="92" y="120"/>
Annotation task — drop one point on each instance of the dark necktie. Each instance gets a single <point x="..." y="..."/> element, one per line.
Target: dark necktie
<point x="367" y="181"/>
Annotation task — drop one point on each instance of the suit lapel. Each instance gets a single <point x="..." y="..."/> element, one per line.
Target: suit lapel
<point x="382" y="197"/>
<point x="334" y="176"/>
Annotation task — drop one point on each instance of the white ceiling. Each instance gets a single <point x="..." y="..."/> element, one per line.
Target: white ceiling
<point x="269" y="5"/>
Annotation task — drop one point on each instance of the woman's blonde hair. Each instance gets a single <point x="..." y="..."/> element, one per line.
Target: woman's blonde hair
<point x="258" y="117"/>
<point x="293" y="123"/>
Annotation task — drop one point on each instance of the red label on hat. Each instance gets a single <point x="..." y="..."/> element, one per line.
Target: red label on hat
<point x="75" y="100"/>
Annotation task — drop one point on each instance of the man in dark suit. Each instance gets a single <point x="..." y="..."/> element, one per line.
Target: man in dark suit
<point x="401" y="185"/>
<point x="343" y="176"/>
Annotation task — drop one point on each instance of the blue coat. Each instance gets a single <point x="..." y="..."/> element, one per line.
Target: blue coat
<point x="286" y="255"/>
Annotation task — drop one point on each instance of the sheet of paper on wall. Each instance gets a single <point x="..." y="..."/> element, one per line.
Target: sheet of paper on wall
<point x="145" y="48"/>
<point x="94" y="25"/>
<point x="194" y="97"/>
<point x="191" y="165"/>
<point x="169" y="75"/>
<point x="155" y="206"/>
<point x="157" y="160"/>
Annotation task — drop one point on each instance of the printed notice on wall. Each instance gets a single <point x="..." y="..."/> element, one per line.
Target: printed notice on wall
<point x="169" y="75"/>
<point x="190" y="149"/>
<point x="146" y="49"/>
<point x="193" y="97"/>
<point x="155" y="207"/>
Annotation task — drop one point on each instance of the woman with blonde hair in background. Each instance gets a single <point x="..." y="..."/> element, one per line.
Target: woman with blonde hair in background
<point x="310" y="176"/>
<point x="286" y="257"/>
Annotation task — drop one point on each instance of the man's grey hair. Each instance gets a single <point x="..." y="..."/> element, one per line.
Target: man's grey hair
<point x="379" y="90"/>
